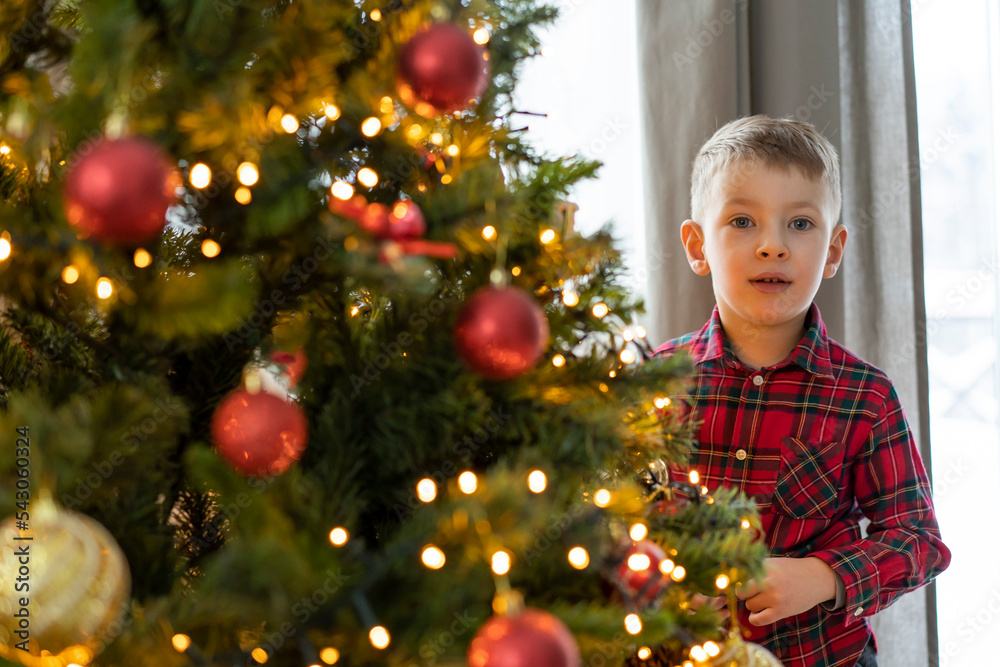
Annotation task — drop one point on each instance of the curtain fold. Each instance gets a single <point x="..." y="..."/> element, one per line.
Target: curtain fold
<point x="846" y="67"/>
<point x="884" y="316"/>
<point x="692" y="79"/>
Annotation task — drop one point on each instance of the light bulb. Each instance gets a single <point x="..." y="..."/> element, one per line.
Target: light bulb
<point x="579" y="558"/>
<point x="371" y="126"/>
<point x="500" y="562"/>
<point x="367" y="177"/>
<point x="104" y="288"/>
<point x="426" y="490"/>
<point x="467" y="482"/>
<point x="639" y="562"/>
<point x="432" y="557"/>
<point x="201" y="175"/>
<point x="378" y="636"/>
<point x="536" y="481"/>
<point x="210" y="248"/>
<point x="342" y="190"/>
<point x="70" y="274"/>
<point x="247" y="173"/>
<point x="289" y="123"/>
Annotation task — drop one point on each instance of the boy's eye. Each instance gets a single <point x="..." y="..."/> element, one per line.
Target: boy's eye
<point x="742" y="223"/>
<point x="801" y="224"/>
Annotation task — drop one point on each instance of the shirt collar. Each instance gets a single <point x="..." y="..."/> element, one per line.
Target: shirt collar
<point x="812" y="353"/>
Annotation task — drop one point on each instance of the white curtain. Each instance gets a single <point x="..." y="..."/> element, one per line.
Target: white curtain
<point x="846" y="67"/>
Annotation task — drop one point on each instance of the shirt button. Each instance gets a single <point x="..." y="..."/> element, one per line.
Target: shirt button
<point x="859" y="611"/>
<point x="741" y="454"/>
<point x="758" y="380"/>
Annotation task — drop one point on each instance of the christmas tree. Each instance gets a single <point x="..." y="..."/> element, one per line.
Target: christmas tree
<point x="304" y="363"/>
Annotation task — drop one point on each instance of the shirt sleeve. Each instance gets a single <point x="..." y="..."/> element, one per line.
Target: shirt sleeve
<point x="903" y="549"/>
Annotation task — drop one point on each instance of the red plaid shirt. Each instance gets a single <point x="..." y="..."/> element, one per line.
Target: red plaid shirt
<point x="818" y="440"/>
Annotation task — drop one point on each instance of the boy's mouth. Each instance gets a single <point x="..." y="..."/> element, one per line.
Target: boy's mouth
<point x="770" y="283"/>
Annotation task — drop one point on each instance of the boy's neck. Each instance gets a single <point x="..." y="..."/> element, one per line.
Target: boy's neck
<point x="759" y="347"/>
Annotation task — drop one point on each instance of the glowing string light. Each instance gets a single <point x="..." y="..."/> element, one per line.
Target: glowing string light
<point x="500" y="563"/>
<point x="537" y="481"/>
<point x="426" y="490"/>
<point x="289" y="123"/>
<point x="201" y="175"/>
<point x="338" y="536"/>
<point x="104" y="289"/>
<point x="578" y="558"/>
<point x="638" y="531"/>
<point x="379" y="637"/>
<point x="367" y="177"/>
<point x="247" y="173"/>
<point x="432" y="557"/>
<point x="70" y="274"/>
<point x="467" y="482"/>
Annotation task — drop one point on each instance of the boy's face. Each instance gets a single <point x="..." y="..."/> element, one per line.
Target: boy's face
<point x="767" y="239"/>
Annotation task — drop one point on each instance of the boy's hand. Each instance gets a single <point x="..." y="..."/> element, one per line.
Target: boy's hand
<point x="790" y="586"/>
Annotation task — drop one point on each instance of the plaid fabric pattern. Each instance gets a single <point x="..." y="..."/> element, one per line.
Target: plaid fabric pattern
<point x="818" y="441"/>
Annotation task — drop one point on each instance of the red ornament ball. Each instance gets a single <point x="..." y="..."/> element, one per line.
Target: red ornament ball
<point x="259" y="434"/>
<point x="406" y="221"/>
<point x="353" y="208"/>
<point x="642" y="584"/>
<point x="501" y="332"/>
<point x="441" y="70"/>
<point x="532" y="638"/>
<point x="119" y="192"/>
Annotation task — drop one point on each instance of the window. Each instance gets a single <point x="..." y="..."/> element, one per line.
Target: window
<point x="587" y="81"/>
<point x="957" y="60"/>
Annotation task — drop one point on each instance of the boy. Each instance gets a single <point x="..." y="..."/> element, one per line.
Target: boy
<point x="813" y="433"/>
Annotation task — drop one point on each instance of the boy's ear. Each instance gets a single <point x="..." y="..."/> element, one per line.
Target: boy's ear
<point x="835" y="253"/>
<point x="694" y="247"/>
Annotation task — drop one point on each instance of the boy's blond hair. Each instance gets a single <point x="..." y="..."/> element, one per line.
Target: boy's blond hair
<point x="772" y="142"/>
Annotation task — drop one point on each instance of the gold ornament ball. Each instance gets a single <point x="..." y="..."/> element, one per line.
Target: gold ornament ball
<point x="739" y="653"/>
<point x="77" y="587"/>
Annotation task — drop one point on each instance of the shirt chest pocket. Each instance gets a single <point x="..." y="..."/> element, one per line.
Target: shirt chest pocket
<point x="808" y="478"/>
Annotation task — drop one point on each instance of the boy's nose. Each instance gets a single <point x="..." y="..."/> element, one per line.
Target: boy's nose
<point x="772" y="246"/>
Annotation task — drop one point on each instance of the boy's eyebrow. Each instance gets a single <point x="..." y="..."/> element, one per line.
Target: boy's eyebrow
<point x="743" y="201"/>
